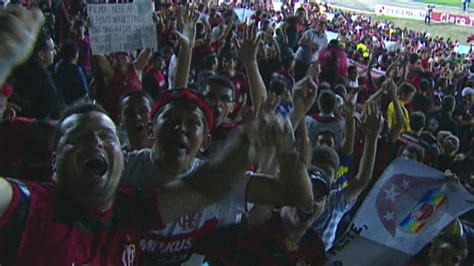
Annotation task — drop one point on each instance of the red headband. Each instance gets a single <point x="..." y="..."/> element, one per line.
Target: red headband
<point x="175" y="95"/>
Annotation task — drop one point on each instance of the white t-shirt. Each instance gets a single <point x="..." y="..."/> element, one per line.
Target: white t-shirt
<point x="305" y="54"/>
<point x="173" y="243"/>
<point x="172" y="70"/>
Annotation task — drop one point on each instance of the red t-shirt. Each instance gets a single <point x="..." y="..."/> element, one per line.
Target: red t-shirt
<point x="240" y="83"/>
<point x="262" y="245"/>
<point x="40" y="227"/>
<point x="120" y="84"/>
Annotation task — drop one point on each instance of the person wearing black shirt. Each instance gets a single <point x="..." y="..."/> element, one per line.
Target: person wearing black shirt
<point x="442" y="120"/>
<point x="68" y="75"/>
<point x="35" y="91"/>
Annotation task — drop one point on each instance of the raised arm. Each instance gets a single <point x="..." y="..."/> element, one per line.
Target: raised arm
<point x="141" y="60"/>
<point x="207" y="185"/>
<point x="19" y="30"/>
<point x="6" y="194"/>
<point x="103" y="64"/>
<point x="248" y="56"/>
<point x="347" y="146"/>
<point x="378" y="94"/>
<point x="292" y="186"/>
<point x="186" y="36"/>
<point x="398" y="124"/>
<point x="371" y="126"/>
<point x="216" y="178"/>
<point x="304" y="94"/>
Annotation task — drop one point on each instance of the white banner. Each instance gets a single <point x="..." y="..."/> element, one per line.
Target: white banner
<point x="391" y="46"/>
<point x="329" y="16"/>
<point x="243" y="14"/>
<point x="331" y="35"/>
<point x="407" y="207"/>
<point x="277" y="4"/>
<point x="121" y="27"/>
<point x="400" y="12"/>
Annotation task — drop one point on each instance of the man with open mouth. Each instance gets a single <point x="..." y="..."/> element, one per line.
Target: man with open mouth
<point x="83" y="218"/>
<point x="182" y="120"/>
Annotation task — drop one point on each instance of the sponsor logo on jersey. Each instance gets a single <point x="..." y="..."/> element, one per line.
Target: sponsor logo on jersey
<point x="189" y="221"/>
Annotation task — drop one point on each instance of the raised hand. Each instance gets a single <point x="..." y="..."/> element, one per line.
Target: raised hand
<point x="18" y="33"/>
<point x="304" y="94"/>
<point x="371" y="123"/>
<point x="271" y="103"/>
<point x="392" y="89"/>
<point x="349" y="107"/>
<point x="187" y="32"/>
<point x="313" y="70"/>
<point x="248" y="45"/>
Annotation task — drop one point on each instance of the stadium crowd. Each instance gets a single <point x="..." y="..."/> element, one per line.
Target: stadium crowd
<point x="234" y="142"/>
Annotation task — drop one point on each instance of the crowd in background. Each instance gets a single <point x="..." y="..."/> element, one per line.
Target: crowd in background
<point x="357" y="92"/>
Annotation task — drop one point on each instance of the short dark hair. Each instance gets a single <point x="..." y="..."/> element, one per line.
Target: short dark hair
<point x="413" y="58"/>
<point x="324" y="154"/>
<point x="417" y="121"/>
<point x="416" y="149"/>
<point x="351" y="67"/>
<point x="230" y="55"/>
<point x="425" y="85"/>
<point x="327" y="101"/>
<point x="277" y="86"/>
<point x="217" y="80"/>
<point x="406" y="88"/>
<point x="81" y="107"/>
<point x="156" y="56"/>
<point x="138" y="93"/>
<point x="448" y="103"/>
<point x="69" y="50"/>
<point x="184" y="104"/>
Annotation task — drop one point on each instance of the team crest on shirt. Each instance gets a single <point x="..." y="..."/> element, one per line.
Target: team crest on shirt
<point x="128" y="255"/>
<point x="189" y="221"/>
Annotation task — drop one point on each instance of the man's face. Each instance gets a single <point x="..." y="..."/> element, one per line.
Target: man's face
<point x="48" y="53"/>
<point x="325" y="138"/>
<point x="301" y="14"/>
<point x="228" y="64"/>
<point x="88" y="158"/>
<point x="221" y="99"/>
<point x="121" y="62"/>
<point x="135" y="113"/>
<point x="445" y="254"/>
<point x="322" y="27"/>
<point x="305" y="216"/>
<point x="180" y="132"/>
<point x="159" y="64"/>
<point x="407" y="97"/>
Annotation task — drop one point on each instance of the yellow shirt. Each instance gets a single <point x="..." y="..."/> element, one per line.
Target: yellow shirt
<point x="391" y="116"/>
<point x="362" y="47"/>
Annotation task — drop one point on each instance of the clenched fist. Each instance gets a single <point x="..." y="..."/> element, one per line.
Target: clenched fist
<point x="18" y="33"/>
